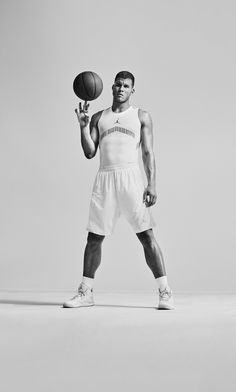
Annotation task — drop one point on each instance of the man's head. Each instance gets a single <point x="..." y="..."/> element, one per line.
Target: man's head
<point x="123" y="86"/>
<point x="125" y="75"/>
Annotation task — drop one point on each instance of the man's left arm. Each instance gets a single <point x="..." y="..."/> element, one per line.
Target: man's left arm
<point x="150" y="194"/>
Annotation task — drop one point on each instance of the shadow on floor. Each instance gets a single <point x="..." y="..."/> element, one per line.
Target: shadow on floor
<point x="43" y="303"/>
<point x="24" y="302"/>
<point x="125" y="306"/>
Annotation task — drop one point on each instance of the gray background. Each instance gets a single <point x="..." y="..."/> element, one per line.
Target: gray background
<point x="183" y="56"/>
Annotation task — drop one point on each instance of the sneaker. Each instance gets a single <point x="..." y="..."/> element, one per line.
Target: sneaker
<point x="166" y="301"/>
<point x="84" y="297"/>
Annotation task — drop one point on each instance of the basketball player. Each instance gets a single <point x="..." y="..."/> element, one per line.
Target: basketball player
<point x="118" y="188"/>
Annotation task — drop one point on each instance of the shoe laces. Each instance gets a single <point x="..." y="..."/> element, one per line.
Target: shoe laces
<point x="82" y="290"/>
<point x="165" y="294"/>
<point x="79" y="294"/>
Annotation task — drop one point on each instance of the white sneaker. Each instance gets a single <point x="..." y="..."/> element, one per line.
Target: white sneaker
<point x="166" y="301"/>
<point x="84" y="297"/>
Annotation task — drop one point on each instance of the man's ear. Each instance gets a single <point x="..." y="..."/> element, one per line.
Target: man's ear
<point x="133" y="90"/>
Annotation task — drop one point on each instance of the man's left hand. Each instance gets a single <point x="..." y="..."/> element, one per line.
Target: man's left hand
<point x="150" y="196"/>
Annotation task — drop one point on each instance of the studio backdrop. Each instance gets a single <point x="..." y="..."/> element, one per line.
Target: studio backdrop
<point x="183" y="58"/>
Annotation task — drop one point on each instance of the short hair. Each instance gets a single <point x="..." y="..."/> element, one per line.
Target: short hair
<point x="125" y="75"/>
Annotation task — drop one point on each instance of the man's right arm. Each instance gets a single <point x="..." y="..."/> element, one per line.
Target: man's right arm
<point x="89" y="131"/>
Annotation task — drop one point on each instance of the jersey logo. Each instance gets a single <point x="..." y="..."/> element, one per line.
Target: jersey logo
<point x="117" y="129"/>
<point x="117" y="122"/>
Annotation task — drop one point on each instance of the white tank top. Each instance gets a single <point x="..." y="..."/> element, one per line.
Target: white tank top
<point x="119" y="137"/>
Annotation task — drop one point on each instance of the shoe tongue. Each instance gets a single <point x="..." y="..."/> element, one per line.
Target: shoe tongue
<point x="84" y="287"/>
<point x="165" y="290"/>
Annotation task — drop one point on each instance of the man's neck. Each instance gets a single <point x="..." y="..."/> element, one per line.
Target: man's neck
<point x="120" y="107"/>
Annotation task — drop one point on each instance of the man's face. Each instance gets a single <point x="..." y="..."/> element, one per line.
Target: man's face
<point x="122" y="89"/>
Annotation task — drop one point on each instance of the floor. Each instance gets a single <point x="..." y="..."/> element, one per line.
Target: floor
<point x="122" y="344"/>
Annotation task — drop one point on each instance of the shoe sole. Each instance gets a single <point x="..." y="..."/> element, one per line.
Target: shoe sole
<point x="165" y="307"/>
<point x="79" y="306"/>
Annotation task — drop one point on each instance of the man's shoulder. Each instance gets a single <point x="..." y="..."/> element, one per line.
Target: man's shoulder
<point x="144" y="115"/>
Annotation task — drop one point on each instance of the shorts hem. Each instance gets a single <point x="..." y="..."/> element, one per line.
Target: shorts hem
<point x="140" y="230"/>
<point x="94" y="231"/>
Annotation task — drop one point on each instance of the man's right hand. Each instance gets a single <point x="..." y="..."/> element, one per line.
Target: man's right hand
<point x="82" y="114"/>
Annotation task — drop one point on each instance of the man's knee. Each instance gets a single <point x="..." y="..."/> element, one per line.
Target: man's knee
<point x="147" y="238"/>
<point x="95" y="239"/>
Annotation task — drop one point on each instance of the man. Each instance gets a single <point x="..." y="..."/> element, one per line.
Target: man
<point x="118" y="188"/>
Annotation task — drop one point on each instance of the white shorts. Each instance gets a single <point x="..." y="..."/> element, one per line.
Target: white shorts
<point x="118" y="190"/>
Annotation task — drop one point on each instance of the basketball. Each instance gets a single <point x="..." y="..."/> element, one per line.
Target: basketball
<point x="87" y="86"/>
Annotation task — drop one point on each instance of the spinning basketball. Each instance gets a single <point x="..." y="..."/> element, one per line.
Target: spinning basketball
<point x="87" y="86"/>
